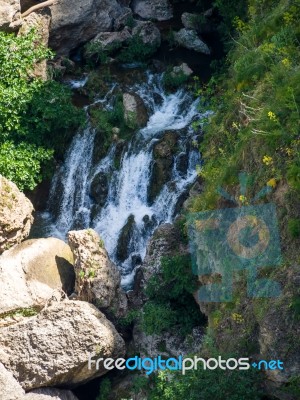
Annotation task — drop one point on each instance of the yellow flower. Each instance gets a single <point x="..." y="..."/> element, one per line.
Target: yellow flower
<point x="286" y="62"/>
<point x="243" y="199"/>
<point x="267" y="160"/>
<point x="272" y="116"/>
<point x="272" y="183"/>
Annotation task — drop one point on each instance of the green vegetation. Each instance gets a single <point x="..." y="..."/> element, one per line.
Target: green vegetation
<point x="171" y="305"/>
<point x="35" y="116"/>
<point x="294" y="227"/>
<point x="136" y="51"/>
<point x="206" y="385"/>
<point x="174" y="80"/>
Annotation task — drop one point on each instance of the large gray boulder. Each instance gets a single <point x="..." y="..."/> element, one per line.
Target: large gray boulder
<point x="10" y="15"/>
<point x="15" y="215"/>
<point x="161" y="10"/>
<point x="135" y="111"/>
<point x="148" y="32"/>
<point x="112" y="40"/>
<point x="98" y="279"/>
<point x="31" y="272"/>
<point x="52" y="348"/>
<point x="189" y="39"/>
<point x="76" y="22"/>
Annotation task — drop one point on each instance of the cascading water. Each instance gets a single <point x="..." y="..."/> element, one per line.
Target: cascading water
<point x="127" y="217"/>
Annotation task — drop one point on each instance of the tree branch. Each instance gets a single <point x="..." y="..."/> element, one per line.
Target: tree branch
<point x="39" y="6"/>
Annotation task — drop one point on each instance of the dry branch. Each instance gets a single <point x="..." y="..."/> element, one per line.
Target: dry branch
<point x="39" y="6"/>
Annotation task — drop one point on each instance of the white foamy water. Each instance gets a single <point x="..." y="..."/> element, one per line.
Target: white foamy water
<point x="129" y="185"/>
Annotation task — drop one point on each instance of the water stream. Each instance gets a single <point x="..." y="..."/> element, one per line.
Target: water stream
<point x="127" y="203"/>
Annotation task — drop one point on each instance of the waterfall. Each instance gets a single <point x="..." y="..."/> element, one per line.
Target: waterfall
<point x="127" y="202"/>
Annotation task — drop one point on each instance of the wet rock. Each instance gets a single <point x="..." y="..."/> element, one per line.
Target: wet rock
<point x="97" y="278"/>
<point x="148" y="32"/>
<point x="189" y="39"/>
<point x="163" y="153"/>
<point x="75" y="23"/>
<point x="182" y="163"/>
<point x="54" y="351"/>
<point x="40" y="22"/>
<point x="15" y="215"/>
<point x="125" y="238"/>
<point x="99" y="188"/>
<point x="10" y="15"/>
<point x="161" y="10"/>
<point x="112" y="40"/>
<point x="135" y="111"/>
<point x="31" y="272"/>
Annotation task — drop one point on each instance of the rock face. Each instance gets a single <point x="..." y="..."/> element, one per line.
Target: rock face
<point x="189" y="39"/>
<point x="76" y="22"/>
<point x="160" y="10"/>
<point x="148" y="32"/>
<point x="50" y="394"/>
<point x="10" y="15"/>
<point x="99" y="188"/>
<point x="15" y="215"/>
<point x="125" y="237"/>
<point x="41" y="23"/>
<point x="97" y="278"/>
<point x="52" y="348"/>
<point x="135" y="112"/>
<point x="10" y="388"/>
<point x="31" y="272"/>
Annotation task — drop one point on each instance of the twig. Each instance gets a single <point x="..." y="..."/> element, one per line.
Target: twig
<point x="39" y="6"/>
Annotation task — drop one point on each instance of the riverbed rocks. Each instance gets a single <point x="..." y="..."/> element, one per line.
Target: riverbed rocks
<point x="189" y="39"/>
<point x="97" y="277"/>
<point x="125" y="238"/>
<point x="160" y="10"/>
<point x="163" y="152"/>
<point x="135" y="111"/>
<point x="52" y="348"/>
<point x="76" y="22"/>
<point x="10" y="15"/>
<point x="15" y="215"/>
<point x="112" y="40"/>
<point x="99" y="188"/>
<point x="31" y="273"/>
<point x="148" y="32"/>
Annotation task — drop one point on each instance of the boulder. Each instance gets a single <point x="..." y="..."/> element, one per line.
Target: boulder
<point x="161" y="10"/>
<point x="124" y="239"/>
<point x="148" y="32"/>
<point x="15" y="215"/>
<point x="9" y="386"/>
<point x="182" y="69"/>
<point x="112" y="40"/>
<point x="189" y="39"/>
<point x="135" y="111"/>
<point x="49" y="394"/>
<point x="31" y="272"/>
<point x="163" y="154"/>
<point x="41" y="23"/>
<point x="10" y="15"/>
<point x="76" y="22"/>
<point x="99" y="188"/>
<point x="97" y="278"/>
<point x="164" y="242"/>
<point x="52" y="348"/>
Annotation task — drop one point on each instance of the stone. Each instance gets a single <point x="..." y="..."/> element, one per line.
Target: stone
<point x="40" y="22"/>
<point x="135" y="111"/>
<point x="99" y="188"/>
<point x="112" y="40"/>
<point x="76" y="22"/>
<point x="124" y="239"/>
<point x="10" y="15"/>
<point x="160" y="10"/>
<point x="15" y="215"/>
<point x="52" y="348"/>
<point x="97" y="277"/>
<point x="182" y="69"/>
<point x="31" y="272"/>
<point x="50" y="394"/>
<point x="189" y="39"/>
<point x="124" y="20"/>
<point x="148" y="32"/>
<point x="9" y="386"/>
<point x="198" y="22"/>
<point x="163" y="154"/>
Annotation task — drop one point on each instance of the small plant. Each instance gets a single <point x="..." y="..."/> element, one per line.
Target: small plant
<point x="137" y="51"/>
<point x="174" y="80"/>
<point x="294" y="227"/>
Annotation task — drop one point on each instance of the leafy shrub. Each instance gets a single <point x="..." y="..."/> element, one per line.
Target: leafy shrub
<point x="136" y="51"/>
<point x="294" y="227"/>
<point x="171" y="305"/>
<point x="174" y="81"/>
